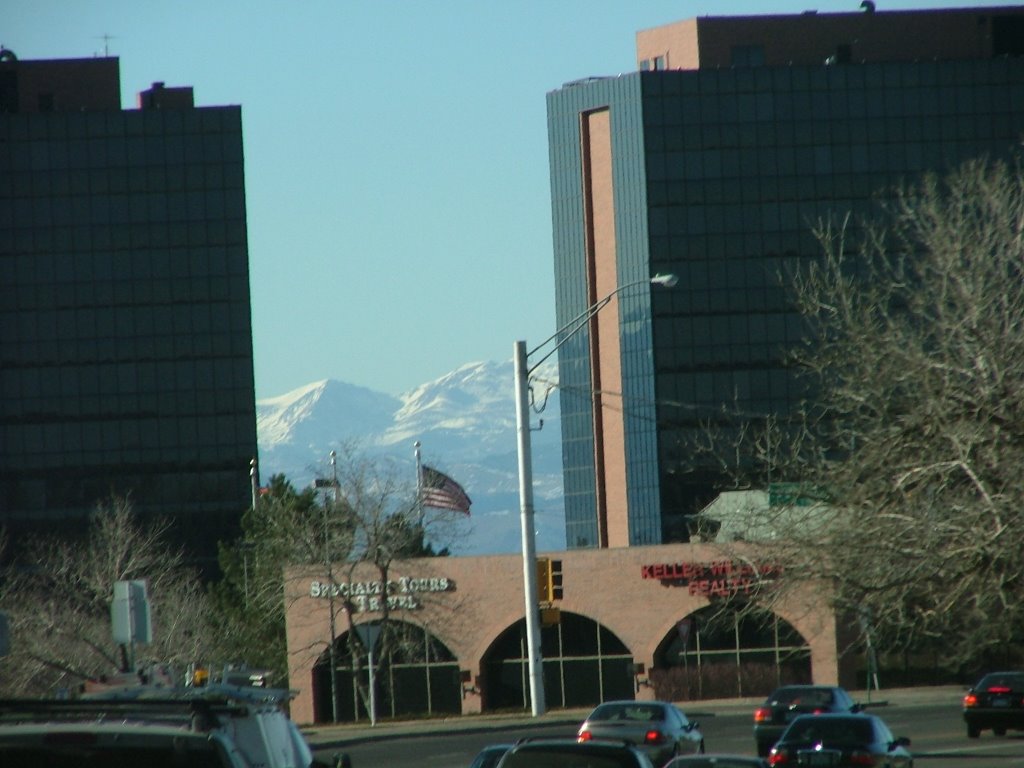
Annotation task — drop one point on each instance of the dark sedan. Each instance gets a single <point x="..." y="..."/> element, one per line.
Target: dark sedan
<point x="564" y="753"/>
<point x="995" y="702"/>
<point x="840" y="741"/>
<point x="659" y="728"/>
<point x="790" y="701"/>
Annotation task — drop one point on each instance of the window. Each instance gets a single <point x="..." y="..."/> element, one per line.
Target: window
<point x="747" y="56"/>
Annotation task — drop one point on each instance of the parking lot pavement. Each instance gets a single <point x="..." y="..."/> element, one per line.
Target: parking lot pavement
<point x="390" y="729"/>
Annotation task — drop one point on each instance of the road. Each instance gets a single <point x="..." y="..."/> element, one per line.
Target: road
<point x="936" y="731"/>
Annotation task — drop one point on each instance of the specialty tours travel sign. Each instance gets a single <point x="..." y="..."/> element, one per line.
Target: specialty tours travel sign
<point x="370" y="596"/>
<point x="721" y="578"/>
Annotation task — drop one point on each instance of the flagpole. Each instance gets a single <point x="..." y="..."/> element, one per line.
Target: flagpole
<point x="419" y="484"/>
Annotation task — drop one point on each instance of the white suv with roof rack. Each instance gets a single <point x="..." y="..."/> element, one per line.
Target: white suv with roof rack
<point x="217" y="726"/>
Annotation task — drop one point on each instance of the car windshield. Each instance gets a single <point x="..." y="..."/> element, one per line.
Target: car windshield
<point x="804" y="697"/>
<point x="837" y="731"/>
<point x="631" y="712"/>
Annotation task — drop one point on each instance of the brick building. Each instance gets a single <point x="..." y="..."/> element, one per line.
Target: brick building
<point x="626" y="617"/>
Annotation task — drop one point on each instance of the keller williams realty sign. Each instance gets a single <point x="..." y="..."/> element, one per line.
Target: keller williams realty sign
<point x="722" y="578"/>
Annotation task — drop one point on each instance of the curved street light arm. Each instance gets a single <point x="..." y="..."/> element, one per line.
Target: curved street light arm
<point x="535" y="662"/>
<point x="575" y="325"/>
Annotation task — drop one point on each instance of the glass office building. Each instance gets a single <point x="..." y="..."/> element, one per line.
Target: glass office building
<point x="714" y="161"/>
<point x="126" y="362"/>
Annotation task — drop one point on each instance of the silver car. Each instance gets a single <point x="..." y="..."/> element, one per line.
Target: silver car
<point x="659" y="728"/>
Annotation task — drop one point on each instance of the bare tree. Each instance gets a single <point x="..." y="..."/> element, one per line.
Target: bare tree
<point x="387" y="525"/>
<point x="916" y="434"/>
<point x="58" y="598"/>
<point x="286" y="526"/>
<point x="901" y="470"/>
<point x="361" y="517"/>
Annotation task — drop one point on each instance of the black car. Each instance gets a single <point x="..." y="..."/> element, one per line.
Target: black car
<point x="790" y="701"/>
<point x="568" y="753"/>
<point x="997" y="702"/>
<point x="840" y="741"/>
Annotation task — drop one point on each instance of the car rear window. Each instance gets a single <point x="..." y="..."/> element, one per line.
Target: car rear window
<point x="1013" y="681"/>
<point x="633" y="712"/>
<point x="562" y="758"/>
<point x="830" y="731"/>
<point x="808" y="697"/>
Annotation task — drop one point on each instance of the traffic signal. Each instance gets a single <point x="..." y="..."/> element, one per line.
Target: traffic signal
<point x="544" y="580"/>
<point x="556" y="579"/>
<point x="549" y="580"/>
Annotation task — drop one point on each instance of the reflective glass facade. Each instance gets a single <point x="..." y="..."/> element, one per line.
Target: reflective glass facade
<point x="125" y="330"/>
<point x="719" y="175"/>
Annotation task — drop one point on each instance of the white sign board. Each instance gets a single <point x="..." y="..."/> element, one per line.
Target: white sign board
<point x="130" y="616"/>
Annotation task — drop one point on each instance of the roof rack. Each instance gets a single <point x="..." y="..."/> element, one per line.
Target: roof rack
<point x="196" y="714"/>
<point x="213" y="693"/>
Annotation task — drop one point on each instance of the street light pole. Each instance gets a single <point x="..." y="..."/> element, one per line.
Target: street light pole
<point x="536" y="670"/>
<point x="522" y="373"/>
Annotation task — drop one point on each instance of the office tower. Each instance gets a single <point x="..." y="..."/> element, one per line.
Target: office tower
<point x="125" y="332"/>
<point x="713" y="161"/>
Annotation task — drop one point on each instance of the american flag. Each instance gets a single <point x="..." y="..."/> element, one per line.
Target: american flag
<point x="439" y="491"/>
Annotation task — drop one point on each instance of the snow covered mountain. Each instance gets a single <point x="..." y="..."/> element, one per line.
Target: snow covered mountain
<point x="465" y="423"/>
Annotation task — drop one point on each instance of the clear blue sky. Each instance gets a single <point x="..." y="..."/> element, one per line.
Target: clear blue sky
<point x="395" y="156"/>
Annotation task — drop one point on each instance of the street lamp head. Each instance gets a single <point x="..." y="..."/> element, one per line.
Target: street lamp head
<point x="669" y="280"/>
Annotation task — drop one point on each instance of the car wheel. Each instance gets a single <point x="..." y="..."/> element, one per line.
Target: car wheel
<point x="973" y="731"/>
<point x="999" y="731"/>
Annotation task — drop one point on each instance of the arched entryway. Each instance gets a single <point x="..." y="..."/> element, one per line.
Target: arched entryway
<point x="584" y="664"/>
<point x="414" y="674"/>
<point x="718" y="652"/>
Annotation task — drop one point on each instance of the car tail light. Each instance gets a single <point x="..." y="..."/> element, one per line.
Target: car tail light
<point x="999" y="689"/>
<point x="778" y="757"/>
<point x="584" y="736"/>
<point x="654" y="737"/>
<point x="970" y="700"/>
<point x="762" y="714"/>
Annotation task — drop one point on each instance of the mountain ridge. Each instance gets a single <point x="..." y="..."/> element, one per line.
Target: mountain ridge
<point x="465" y="424"/>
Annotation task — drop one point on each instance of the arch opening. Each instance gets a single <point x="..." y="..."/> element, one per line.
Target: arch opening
<point x="721" y="652"/>
<point x="414" y="674"/>
<point x="584" y="664"/>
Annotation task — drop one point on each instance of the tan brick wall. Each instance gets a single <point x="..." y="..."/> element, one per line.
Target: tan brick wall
<point x="810" y="38"/>
<point x="486" y="598"/>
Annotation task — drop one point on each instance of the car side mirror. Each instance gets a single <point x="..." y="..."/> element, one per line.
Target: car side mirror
<point x="857" y="707"/>
<point x="901" y="741"/>
<point x="692" y="725"/>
